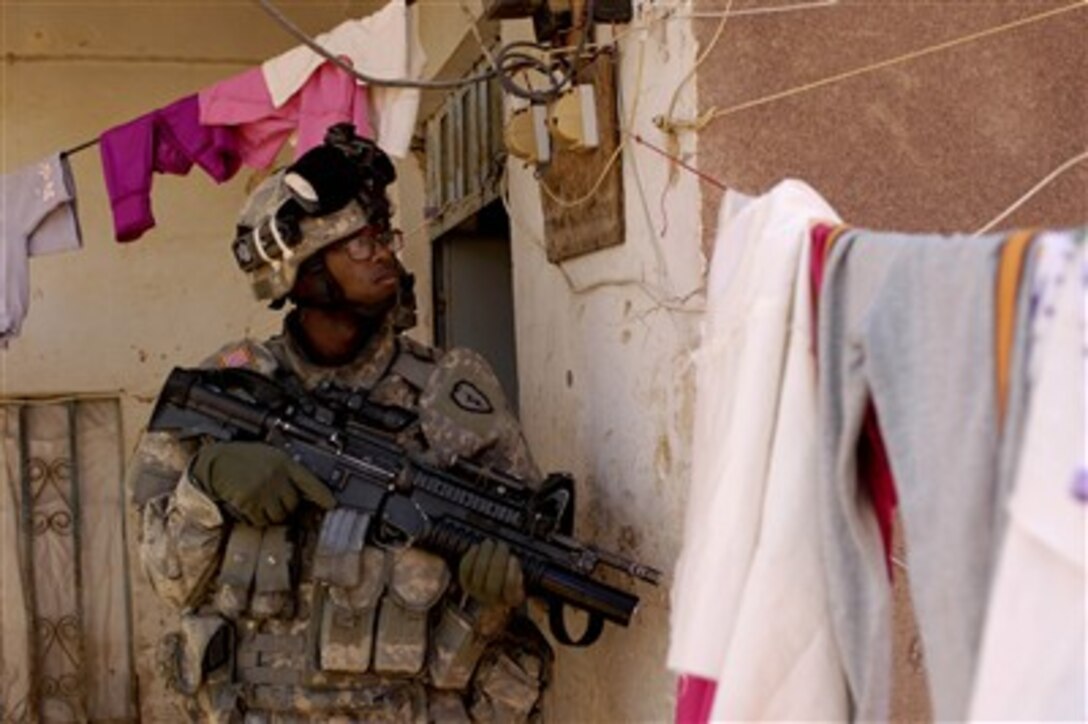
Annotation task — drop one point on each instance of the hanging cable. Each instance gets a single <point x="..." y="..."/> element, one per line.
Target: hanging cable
<point x="509" y="60"/>
<point x="287" y="24"/>
<point x="510" y="54"/>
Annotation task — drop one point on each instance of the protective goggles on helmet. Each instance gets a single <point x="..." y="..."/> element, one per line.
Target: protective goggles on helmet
<point x="272" y="241"/>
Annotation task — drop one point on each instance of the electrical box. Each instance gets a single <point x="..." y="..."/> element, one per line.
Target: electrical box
<point x="572" y="119"/>
<point x="588" y="181"/>
<point x="552" y="17"/>
<point x="510" y="9"/>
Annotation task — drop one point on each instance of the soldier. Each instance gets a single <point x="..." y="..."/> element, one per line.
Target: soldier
<point x="280" y="620"/>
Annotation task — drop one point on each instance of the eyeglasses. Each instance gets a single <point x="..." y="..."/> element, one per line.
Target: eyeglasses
<point x="365" y="244"/>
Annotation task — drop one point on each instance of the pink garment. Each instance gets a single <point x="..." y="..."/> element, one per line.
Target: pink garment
<point x="331" y="95"/>
<point x="166" y="140"/>
<point x="694" y="697"/>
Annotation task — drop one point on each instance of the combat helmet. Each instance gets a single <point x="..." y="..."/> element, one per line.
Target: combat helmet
<point x="332" y="192"/>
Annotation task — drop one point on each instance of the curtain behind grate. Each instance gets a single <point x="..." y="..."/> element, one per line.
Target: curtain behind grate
<point x="65" y="637"/>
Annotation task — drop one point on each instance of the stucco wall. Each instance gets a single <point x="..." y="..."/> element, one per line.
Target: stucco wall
<point x="944" y="142"/>
<point x="604" y="347"/>
<point x="115" y="318"/>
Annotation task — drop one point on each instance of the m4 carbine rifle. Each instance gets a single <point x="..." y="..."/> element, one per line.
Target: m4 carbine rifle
<point x="445" y="511"/>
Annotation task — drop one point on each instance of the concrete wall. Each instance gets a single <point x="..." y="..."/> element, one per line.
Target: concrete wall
<point x="115" y="318"/>
<point x="604" y="345"/>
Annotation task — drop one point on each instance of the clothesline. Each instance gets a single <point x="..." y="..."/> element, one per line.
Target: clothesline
<point x="679" y="162"/>
<point x="669" y="124"/>
<point x="1046" y="181"/>
<point x="707" y="178"/>
<point x="939" y="320"/>
<point x="80" y="147"/>
<point x="245" y="119"/>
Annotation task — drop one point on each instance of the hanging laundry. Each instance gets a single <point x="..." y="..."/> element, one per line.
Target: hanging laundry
<point x="383" y="45"/>
<point x="874" y="470"/>
<point x="37" y="216"/>
<point x="1032" y="661"/>
<point x="909" y="322"/>
<point x="329" y="96"/>
<point x="694" y="699"/>
<point x="168" y="140"/>
<point x="1013" y="342"/>
<point x="751" y="532"/>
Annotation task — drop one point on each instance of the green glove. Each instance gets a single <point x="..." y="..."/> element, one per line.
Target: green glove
<point x="491" y="574"/>
<point x="257" y="483"/>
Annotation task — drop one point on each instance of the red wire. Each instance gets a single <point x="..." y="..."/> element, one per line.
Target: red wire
<point x="709" y="179"/>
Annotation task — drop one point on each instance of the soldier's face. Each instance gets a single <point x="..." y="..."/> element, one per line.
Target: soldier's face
<point x="367" y="279"/>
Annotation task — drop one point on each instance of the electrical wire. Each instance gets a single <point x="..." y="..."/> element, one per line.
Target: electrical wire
<point x="714" y="114"/>
<point x="510" y="60"/>
<point x="506" y="60"/>
<point x="627" y="122"/>
<point x="299" y="34"/>
<point x="667" y="122"/>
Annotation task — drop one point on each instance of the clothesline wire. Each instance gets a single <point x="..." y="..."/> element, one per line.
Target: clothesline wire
<point x="1043" y="183"/>
<point x="1046" y="180"/>
<point x="679" y="162"/>
<point x="766" y="10"/>
<point x="81" y="147"/>
<point x="714" y="113"/>
<point x="698" y="61"/>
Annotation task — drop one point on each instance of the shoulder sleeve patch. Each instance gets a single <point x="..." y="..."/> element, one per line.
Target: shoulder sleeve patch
<point x="237" y="357"/>
<point x="463" y="414"/>
<point x="245" y="354"/>
<point x="471" y="398"/>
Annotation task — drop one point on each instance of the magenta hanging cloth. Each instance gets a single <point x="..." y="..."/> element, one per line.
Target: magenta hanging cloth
<point x="330" y="95"/>
<point x="168" y="140"/>
<point x="694" y="699"/>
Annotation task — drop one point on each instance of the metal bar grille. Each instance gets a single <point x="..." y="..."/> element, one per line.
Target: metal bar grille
<point x="465" y="155"/>
<point x="70" y="667"/>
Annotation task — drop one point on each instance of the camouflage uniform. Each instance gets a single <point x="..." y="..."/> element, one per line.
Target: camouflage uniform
<point x="274" y="628"/>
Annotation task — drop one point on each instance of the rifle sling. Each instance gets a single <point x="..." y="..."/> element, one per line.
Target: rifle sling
<point x="558" y="625"/>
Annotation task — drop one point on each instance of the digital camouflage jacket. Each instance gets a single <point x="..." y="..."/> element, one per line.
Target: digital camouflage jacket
<point x="269" y="631"/>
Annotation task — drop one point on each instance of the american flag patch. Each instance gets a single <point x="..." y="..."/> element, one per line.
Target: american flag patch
<point x="238" y="357"/>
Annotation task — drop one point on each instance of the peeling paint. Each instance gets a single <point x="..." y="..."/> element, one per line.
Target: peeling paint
<point x="663" y="457"/>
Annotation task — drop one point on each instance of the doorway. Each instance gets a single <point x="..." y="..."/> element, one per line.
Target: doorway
<point x="473" y="292"/>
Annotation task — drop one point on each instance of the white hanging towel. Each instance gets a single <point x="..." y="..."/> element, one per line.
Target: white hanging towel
<point x="383" y="45"/>
<point x="1032" y="660"/>
<point x="749" y="600"/>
